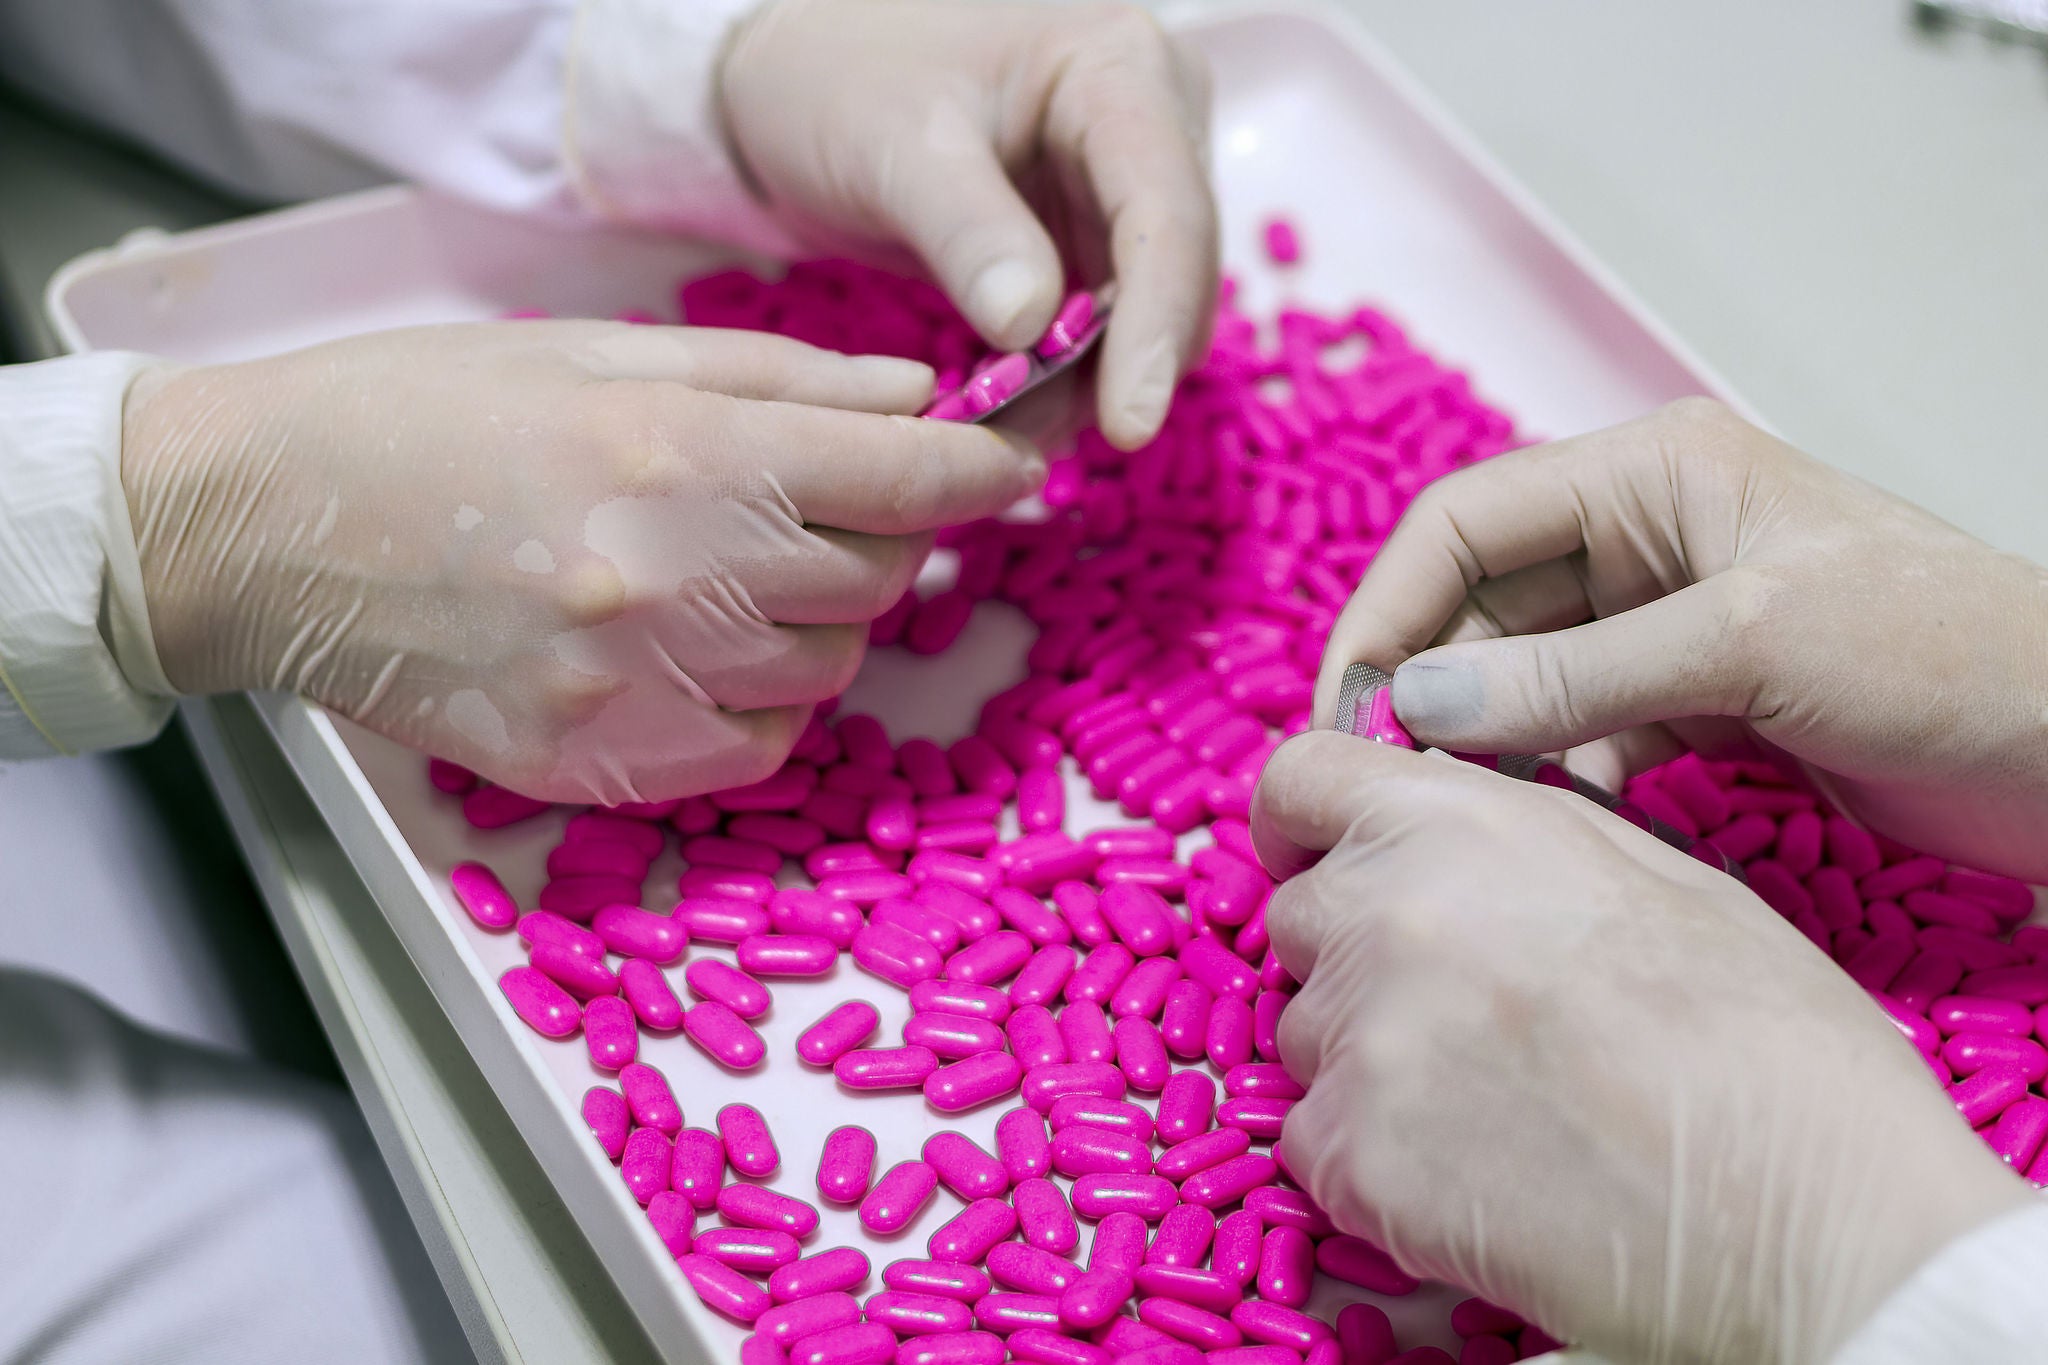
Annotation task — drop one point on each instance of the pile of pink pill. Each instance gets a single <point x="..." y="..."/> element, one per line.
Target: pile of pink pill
<point x="1182" y="594"/>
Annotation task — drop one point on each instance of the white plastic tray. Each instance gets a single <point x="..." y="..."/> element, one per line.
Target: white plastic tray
<point x="1394" y="207"/>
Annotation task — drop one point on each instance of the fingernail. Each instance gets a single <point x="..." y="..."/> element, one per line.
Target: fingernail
<point x="1438" y="698"/>
<point x="1144" y="407"/>
<point x="1000" y="294"/>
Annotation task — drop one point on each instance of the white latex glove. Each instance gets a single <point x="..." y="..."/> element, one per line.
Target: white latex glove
<point x="1556" y="1061"/>
<point x="1643" y="581"/>
<point x="591" y="561"/>
<point x="990" y="139"/>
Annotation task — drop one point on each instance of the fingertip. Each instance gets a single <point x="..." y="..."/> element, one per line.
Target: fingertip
<point x="1136" y="392"/>
<point x="898" y="387"/>
<point x="1011" y="301"/>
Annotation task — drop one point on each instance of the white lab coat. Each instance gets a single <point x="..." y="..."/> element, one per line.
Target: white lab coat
<point x="288" y="99"/>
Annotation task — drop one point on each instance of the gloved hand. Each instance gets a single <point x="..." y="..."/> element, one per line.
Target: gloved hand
<point x="991" y="140"/>
<point x="1686" y="577"/>
<point x="1556" y="1061"/>
<point x="591" y="561"/>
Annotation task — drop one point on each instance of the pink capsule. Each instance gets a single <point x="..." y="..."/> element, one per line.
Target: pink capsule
<point x="940" y="933"/>
<point x="971" y="1232"/>
<point x="939" y="810"/>
<point x="648" y="992"/>
<point x="497" y="807"/>
<point x="1287" y="1267"/>
<point x="724" y="1036"/>
<point x="1259" y="1115"/>
<point x="1081" y="907"/>
<point x="758" y="1251"/>
<point x="973" y="1081"/>
<point x="1184" y="1021"/>
<point x="710" y="979"/>
<point x="1279" y="1325"/>
<point x="946" y="1279"/>
<point x="630" y="931"/>
<point x="1044" y="976"/>
<point x="1085" y="1034"/>
<point x="919" y="1315"/>
<point x="697" y="1167"/>
<point x="1356" y="1261"/>
<point x="581" y="976"/>
<point x="1068" y="325"/>
<point x="1044" y="1084"/>
<point x="648" y="1095"/>
<point x="749" y="1146"/>
<point x="896" y="955"/>
<point x="1099" y="975"/>
<point x="720" y="919"/>
<point x="1276" y="1205"/>
<point x="1230" y="1032"/>
<point x="1266" y="1012"/>
<point x="960" y="997"/>
<point x="1045" y="1216"/>
<point x="450" y="778"/>
<point x="1030" y="916"/>
<point x="867" y="1343"/>
<point x="964" y="1167"/>
<point x="1228" y="1181"/>
<point x="1143" y="993"/>
<point x="1139" y="916"/>
<point x="1225" y="973"/>
<point x="1148" y="1196"/>
<point x="2018" y="1134"/>
<point x="788" y="1323"/>
<point x="1034" y="1270"/>
<point x="847" y="860"/>
<point x="1022" y="1145"/>
<point x="869" y="888"/>
<point x="1200" y="1153"/>
<point x="1183" y="1237"/>
<point x="1041" y="799"/>
<point x="609" y="1119"/>
<point x="673" y="1220"/>
<point x="787" y="955"/>
<point x="827" y="1272"/>
<point x="1186" y="1106"/>
<point x="724" y="1289"/>
<point x="975" y="876"/>
<point x="478" y="890"/>
<point x="1969" y="1053"/>
<point x="842" y="1028"/>
<point x="1979" y="1014"/>
<point x="1081" y="1150"/>
<point x="644" y="1163"/>
<point x="952" y="1036"/>
<point x="1093" y="1297"/>
<point x="755" y="1207"/>
<point x="1196" y="1326"/>
<point x="1042" y="1346"/>
<point x="544" y="925"/>
<point x="885" y="1068"/>
<point x="898" y="1197"/>
<point x="1006" y="1312"/>
<point x="846" y="1165"/>
<point x="547" y="1009"/>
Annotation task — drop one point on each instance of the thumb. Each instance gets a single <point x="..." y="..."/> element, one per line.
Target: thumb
<point x="1679" y="656"/>
<point x="956" y="208"/>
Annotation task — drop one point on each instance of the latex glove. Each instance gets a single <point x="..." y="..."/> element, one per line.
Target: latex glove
<point x="591" y="561"/>
<point x="1554" y="1060"/>
<point x="1686" y="577"/>
<point x="989" y="139"/>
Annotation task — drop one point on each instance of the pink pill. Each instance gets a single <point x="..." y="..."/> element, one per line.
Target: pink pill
<point x="1093" y="1111"/>
<point x="1029" y="916"/>
<point x="1186" y="1106"/>
<point x="648" y="1095"/>
<point x="946" y="1279"/>
<point x="720" y="919"/>
<point x="960" y="997"/>
<point x="898" y="1197"/>
<point x="1082" y="909"/>
<point x="867" y="1343"/>
<point x="1969" y="1053"/>
<point x="868" y="888"/>
<point x="1207" y="1289"/>
<point x="543" y="925"/>
<point x="1008" y="1312"/>
<point x="497" y="807"/>
<point x="1141" y="1055"/>
<point x="1042" y="1346"/>
<point x="885" y="1068"/>
<point x="717" y="850"/>
<point x="843" y="1028"/>
<point x="995" y="958"/>
<point x="479" y="892"/>
<point x="545" y="1007"/>
<point x="924" y="766"/>
<point x="697" y="1167"/>
<point x="952" y="1348"/>
<point x="975" y="918"/>
<point x="754" y="1207"/>
<point x="1230" y="1032"/>
<point x="1045" y="1216"/>
<point x="1283" y="244"/>
<point x="1183" y="1237"/>
<point x="964" y="1167"/>
<point x="1022" y="1145"/>
<point x="1287" y="1267"/>
<point x="1130" y="841"/>
<point x="609" y="1119"/>
<point x="1184" y="1021"/>
<point x="847" y="860"/>
<point x="1228" y="1181"/>
<point x="1041" y="799"/>
<point x="1266" y="1012"/>
<point x="1196" y="1326"/>
<point x="673" y="1219"/>
<point x="1274" y="1355"/>
<point x="724" y="1289"/>
<point x="724" y="884"/>
<point x="790" y="835"/>
<point x="1162" y="876"/>
<point x="1001" y="381"/>
<point x="936" y="930"/>
<point x="758" y="1251"/>
<point x="788" y="1323"/>
<point x="1279" y="1325"/>
<point x="1239" y="1244"/>
<point x="644" y="1164"/>
<point x="597" y="826"/>
<point x="783" y="790"/>
<point x="1018" y="1265"/>
<point x="1200" y="1153"/>
<point x="710" y="979"/>
<point x="1979" y="1014"/>
<point x="1142" y="995"/>
<point x="973" y="1081"/>
<point x="1044" y="976"/>
<point x="1119" y="1243"/>
<point x="1148" y="1196"/>
<point x="1365" y="1333"/>
<point x="975" y="876"/>
<point x="2027" y="984"/>
<point x="723" y="1035"/>
<point x="971" y="1232"/>
<point x="896" y="955"/>
<point x="952" y="1036"/>
<point x="579" y="975"/>
<point x="1068" y="325"/>
<point x="787" y="955"/>
<point x="1259" y="1115"/>
<point x="451" y="778"/>
<point x="2018" y="1135"/>
<point x="1085" y="1034"/>
<point x="1276" y="1205"/>
<point x="940" y="810"/>
<point x="913" y="1315"/>
<point x="803" y="914"/>
<point x="749" y="1146"/>
<point x="1042" y="1085"/>
<point x="630" y="931"/>
<point x="1477" y="1317"/>
<point x="1356" y="1261"/>
<point x="1099" y="975"/>
<point x="1081" y="1150"/>
<point x="841" y="1268"/>
<point x="1093" y="1297"/>
<point x="846" y="1165"/>
<point x="1225" y="973"/>
<point x="1140" y="918"/>
<point x="966" y="836"/>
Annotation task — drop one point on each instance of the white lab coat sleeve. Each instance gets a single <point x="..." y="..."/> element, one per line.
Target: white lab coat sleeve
<point x="78" y="666"/>
<point x="548" y="107"/>
<point x="1984" y="1297"/>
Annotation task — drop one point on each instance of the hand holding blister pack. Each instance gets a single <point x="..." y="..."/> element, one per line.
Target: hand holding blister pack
<point x="591" y="561"/>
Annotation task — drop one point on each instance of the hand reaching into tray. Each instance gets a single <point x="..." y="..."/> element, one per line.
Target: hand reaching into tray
<point x="1688" y="580"/>
<point x="1003" y="145"/>
<point x="1557" y="1061"/>
<point x="593" y="562"/>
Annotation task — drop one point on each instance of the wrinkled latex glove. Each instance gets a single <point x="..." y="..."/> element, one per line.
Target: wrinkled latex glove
<point x="994" y="141"/>
<point x="1554" y="1060"/>
<point x="1686" y="578"/>
<point x="589" y="560"/>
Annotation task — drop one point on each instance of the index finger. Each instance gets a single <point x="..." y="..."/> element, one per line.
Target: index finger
<point x="889" y="475"/>
<point x="1511" y="512"/>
